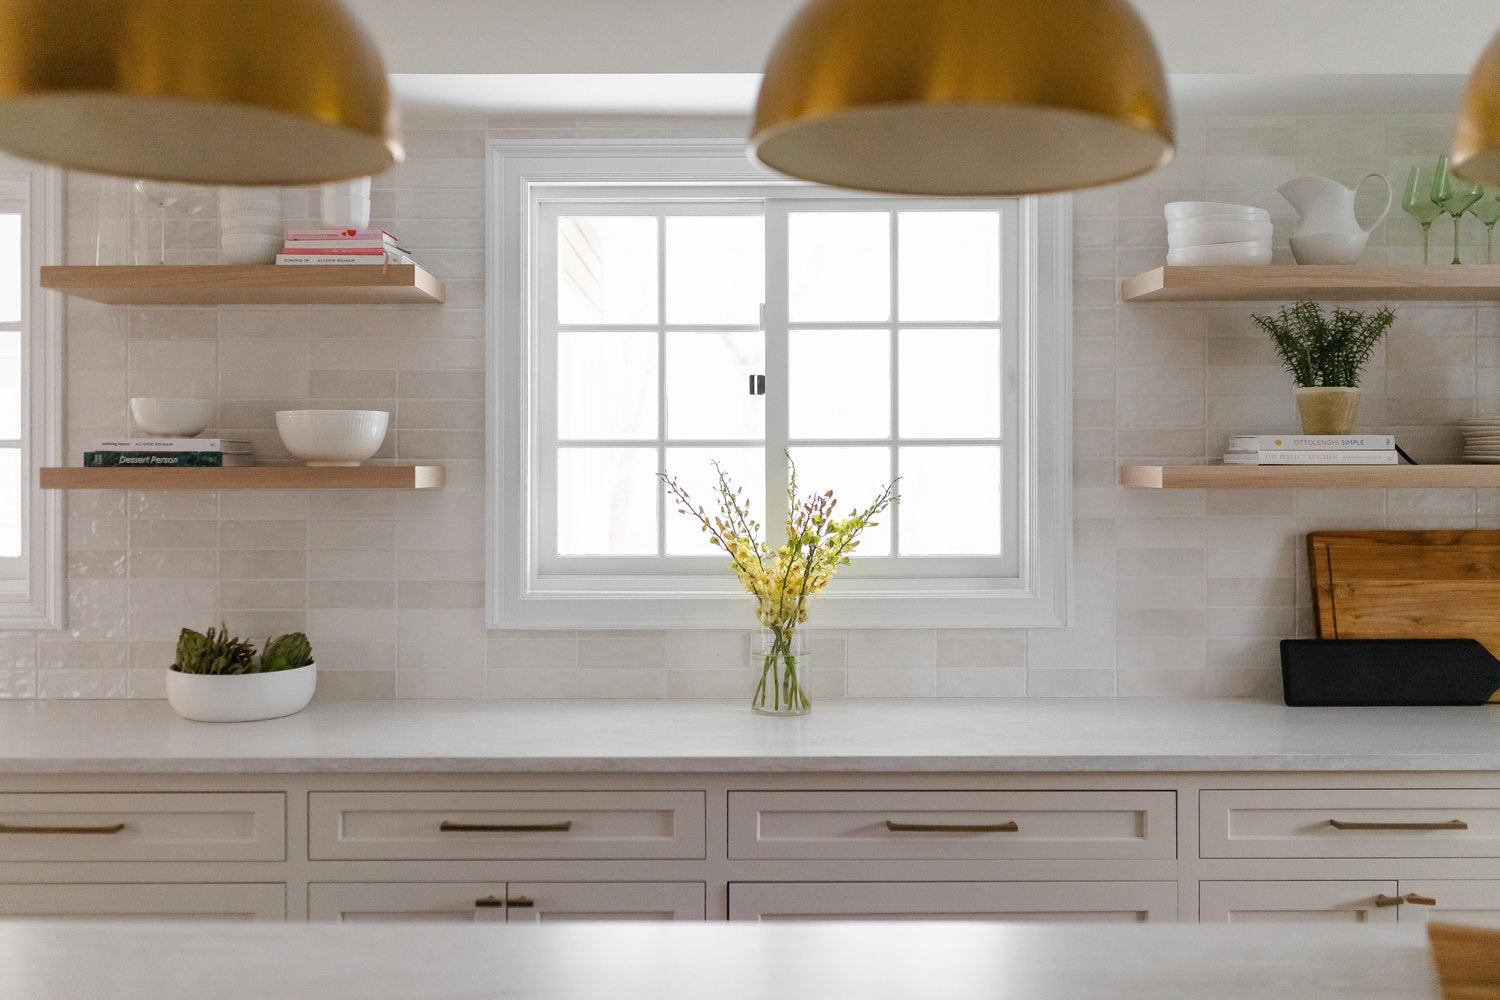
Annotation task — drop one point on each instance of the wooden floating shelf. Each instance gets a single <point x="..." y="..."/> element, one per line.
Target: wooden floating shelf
<point x="245" y="284"/>
<point x="1289" y="477"/>
<point x="257" y="477"/>
<point x="1277" y="282"/>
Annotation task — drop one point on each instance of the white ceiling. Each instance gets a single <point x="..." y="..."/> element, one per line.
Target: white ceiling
<point x="680" y="56"/>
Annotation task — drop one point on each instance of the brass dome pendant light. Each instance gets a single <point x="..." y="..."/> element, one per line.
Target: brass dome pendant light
<point x="1476" y="138"/>
<point x="964" y="97"/>
<point x="196" y="91"/>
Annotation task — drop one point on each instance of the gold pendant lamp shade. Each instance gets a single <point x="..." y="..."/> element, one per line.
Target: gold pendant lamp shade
<point x="964" y="97"/>
<point x="1476" y="138"/>
<point x="197" y="91"/>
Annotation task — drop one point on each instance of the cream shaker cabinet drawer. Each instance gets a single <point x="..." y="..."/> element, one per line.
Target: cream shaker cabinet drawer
<point x="503" y="902"/>
<point x="1350" y="823"/>
<point x="446" y="826"/>
<point x="197" y="901"/>
<point x="114" y="826"/>
<point x="1037" y="902"/>
<point x="1358" y="902"/>
<point x="919" y="826"/>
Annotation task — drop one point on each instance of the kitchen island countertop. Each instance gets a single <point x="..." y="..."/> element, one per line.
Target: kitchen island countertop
<point x="920" y="735"/>
<point x="66" y="961"/>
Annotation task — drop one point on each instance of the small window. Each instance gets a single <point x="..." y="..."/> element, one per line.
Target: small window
<point x="664" y="325"/>
<point x="30" y="415"/>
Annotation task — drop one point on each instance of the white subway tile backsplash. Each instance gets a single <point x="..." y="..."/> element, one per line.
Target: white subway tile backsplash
<point x="1175" y="592"/>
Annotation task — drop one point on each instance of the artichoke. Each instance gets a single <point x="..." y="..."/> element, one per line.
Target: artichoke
<point x="213" y="653"/>
<point x="286" y="652"/>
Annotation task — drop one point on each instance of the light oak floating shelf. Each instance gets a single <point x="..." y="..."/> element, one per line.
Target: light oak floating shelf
<point x="1294" y="281"/>
<point x="260" y="477"/>
<point x="245" y="284"/>
<point x="1290" y="477"/>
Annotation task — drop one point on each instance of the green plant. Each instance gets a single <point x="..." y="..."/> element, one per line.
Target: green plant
<point x="216" y="652"/>
<point x="285" y="652"/>
<point x="1318" y="351"/>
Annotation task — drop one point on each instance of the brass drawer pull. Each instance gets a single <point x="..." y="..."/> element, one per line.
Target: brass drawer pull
<point x="1452" y="824"/>
<point x="520" y="902"/>
<point x="1384" y="900"/>
<point x="1412" y="897"/>
<point x="489" y="901"/>
<point x="448" y="827"/>
<point x="896" y="827"/>
<point x="115" y="828"/>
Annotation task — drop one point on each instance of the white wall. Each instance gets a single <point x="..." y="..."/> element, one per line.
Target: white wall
<point x="1177" y="592"/>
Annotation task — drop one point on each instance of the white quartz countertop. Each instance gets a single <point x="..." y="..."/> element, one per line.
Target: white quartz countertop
<point x="1016" y="735"/>
<point x="867" y="961"/>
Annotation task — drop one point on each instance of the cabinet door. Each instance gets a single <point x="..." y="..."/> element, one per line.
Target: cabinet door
<point x="405" y="902"/>
<point x="1457" y="901"/>
<point x="497" y="902"/>
<point x="156" y="901"/>
<point x="1300" y="902"/>
<point x="562" y="901"/>
<point x="1050" y="902"/>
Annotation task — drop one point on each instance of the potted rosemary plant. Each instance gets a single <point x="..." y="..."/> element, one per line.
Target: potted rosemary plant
<point x="782" y="578"/>
<point x="219" y="678"/>
<point x="1325" y="357"/>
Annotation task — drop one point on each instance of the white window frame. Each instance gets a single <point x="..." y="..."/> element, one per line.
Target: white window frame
<point x="519" y="595"/>
<point x="32" y="587"/>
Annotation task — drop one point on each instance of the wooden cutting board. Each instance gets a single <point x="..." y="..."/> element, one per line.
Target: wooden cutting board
<point x="1407" y="585"/>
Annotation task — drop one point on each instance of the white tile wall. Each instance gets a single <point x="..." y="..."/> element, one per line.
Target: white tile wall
<point x="1176" y="593"/>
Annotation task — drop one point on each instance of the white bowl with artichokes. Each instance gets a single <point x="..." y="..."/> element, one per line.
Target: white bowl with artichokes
<point x="219" y="678"/>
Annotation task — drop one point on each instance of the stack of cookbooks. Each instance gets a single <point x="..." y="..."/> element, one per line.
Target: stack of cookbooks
<point x="1311" y="449"/>
<point x="341" y="246"/>
<point x="169" y="453"/>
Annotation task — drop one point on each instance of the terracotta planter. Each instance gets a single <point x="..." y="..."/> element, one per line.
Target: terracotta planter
<point x="1327" y="409"/>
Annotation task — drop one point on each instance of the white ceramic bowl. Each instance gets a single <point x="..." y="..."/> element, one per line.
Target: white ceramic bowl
<point x="1222" y="255"/>
<point x="166" y="417"/>
<point x="1206" y="230"/>
<point x="332" y="437"/>
<point x="1176" y="211"/>
<point x="241" y="697"/>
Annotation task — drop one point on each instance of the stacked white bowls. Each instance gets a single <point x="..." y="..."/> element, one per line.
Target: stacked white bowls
<point x="1214" y="234"/>
<point x="249" y="225"/>
<point x="1481" y="436"/>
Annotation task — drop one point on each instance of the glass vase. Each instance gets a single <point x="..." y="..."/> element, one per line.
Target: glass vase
<point x="784" y="686"/>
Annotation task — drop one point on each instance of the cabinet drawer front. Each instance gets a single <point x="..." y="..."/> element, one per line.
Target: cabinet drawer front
<point x="1330" y="902"/>
<point x="117" y="826"/>
<point x="478" y="902"/>
<point x="1356" y="823"/>
<point x="145" y="901"/>
<point x="1041" y="902"/>
<point x="444" y="826"/>
<point x="916" y="826"/>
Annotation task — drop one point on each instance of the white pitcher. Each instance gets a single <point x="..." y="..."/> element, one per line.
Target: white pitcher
<point x="1327" y="230"/>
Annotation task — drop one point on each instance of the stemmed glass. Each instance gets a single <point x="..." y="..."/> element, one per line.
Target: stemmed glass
<point x="1417" y="203"/>
<point x="1453" y="195"/>
<point x="163" y="196"/>
<point x="192" y="202"/>
<point x="1487" y="211"/>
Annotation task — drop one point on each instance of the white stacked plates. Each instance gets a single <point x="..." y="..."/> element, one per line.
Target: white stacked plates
<point x="1210" y="233"/>
<point x="1481" y="439"/>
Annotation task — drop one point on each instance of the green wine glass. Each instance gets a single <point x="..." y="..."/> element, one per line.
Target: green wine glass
<point x="1453" y="195"/>
<point x="1487" y="211"/>
<point x="1417" y="202"/>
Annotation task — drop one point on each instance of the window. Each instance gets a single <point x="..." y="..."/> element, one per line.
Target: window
<point x="668" y="307"/>
<point x="31" y="576"/>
